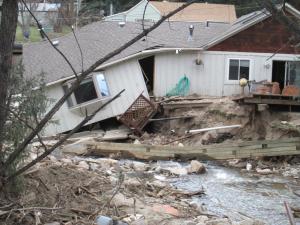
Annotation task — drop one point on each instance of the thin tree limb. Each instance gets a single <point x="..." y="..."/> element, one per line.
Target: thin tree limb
<point x="79" y="47"/>
<point x="75" y="85"/>
<point x="61" y="141"/>
<point x="143" y="20"/>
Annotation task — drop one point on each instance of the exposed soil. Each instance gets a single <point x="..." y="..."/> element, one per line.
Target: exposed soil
<point x="270" y="125"/>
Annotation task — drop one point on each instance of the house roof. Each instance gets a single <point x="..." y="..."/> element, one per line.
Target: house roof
<point x="247" y="21"/>
<point x="198" y="12"/>
<point x="100" y="38"/>
<point x="241" y="24"/>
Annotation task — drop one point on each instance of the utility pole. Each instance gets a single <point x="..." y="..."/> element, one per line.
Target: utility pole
<point x="78" y="6"/>
<point x="111" y="8"/>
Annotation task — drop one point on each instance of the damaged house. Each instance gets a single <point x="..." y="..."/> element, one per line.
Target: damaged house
<point x="214" y="56"/>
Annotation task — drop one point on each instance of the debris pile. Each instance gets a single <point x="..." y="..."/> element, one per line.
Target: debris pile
<point x="77" y="190"/>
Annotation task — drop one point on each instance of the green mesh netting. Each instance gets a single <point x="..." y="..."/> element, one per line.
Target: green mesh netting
<point x="182" y="88"/>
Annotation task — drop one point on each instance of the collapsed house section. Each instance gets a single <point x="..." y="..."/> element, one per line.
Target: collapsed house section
<point x="178" y="58"/>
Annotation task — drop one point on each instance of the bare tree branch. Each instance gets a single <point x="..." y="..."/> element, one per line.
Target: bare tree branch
<point x="143" y="20"/>
<point x="75" y="85"/>
<point x="61" y="141"/>
<point x="79" y="47"/>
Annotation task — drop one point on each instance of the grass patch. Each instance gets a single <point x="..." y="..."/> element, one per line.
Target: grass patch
<point x="35" y="34"/>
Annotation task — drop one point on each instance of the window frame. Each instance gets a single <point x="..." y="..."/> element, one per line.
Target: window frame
<point x="72" y="98"/>
<point x="227" y="81"/>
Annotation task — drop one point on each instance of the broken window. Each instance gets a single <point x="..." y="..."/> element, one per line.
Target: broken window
<point x="238" y="69"/>
<point x="85" y="92"/>
<point x="92" y="88"/>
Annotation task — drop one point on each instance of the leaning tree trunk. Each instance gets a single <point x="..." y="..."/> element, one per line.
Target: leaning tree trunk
<point x="8" y="24"/>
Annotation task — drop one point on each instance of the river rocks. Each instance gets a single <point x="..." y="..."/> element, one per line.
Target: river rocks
<point x="201" y="220"/>
<point x="139" y="166"/>
<point x="136" y="142"/>
<point x="105" y="163"/>
<point x="264" y="171"/>
<point x="136" y="219"/>
<point x="178" y="171"/>
<point x="157" y="184"/>
<point x="180" y="145"/>
<point x="200" y="209"/>
<point x="121" y="200"/>
<point x="223" y="221"/>
<point x="249" y="222"/>
<point x="291" y="172"/>
<point x="237" y="163"/>
<point x="78" y="147"/>
<point x="83" y="165"/>
<point x="189" y="223"/>
<point x="53" y="223"/>
<point x="166" y="209"/>
<point x="196" y="167"/>
<point x="132" y="184"/>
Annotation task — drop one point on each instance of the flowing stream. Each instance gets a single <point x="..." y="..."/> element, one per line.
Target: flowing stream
<point x="237" y="195"/>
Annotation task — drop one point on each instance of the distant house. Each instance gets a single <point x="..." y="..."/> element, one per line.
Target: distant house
<point x="197" y="12"/>
<point x="46" y="13"/>
<point x="213" y="56"/>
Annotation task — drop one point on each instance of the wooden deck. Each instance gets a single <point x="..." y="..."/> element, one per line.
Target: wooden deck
<point x="269" y="99"/>
<point x="210" y="152"/>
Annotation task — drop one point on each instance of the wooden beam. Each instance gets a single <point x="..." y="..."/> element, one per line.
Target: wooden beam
<point x="271" y="101"/>
<point x="213" y="152"/>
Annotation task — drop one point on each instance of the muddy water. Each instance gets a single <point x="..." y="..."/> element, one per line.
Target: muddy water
<point x="238" y="195"/>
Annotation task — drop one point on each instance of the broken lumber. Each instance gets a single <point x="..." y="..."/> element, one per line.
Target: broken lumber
<point x="208" y="152"/>
<point x="171" y="118"/>
<point x="211" y="128"/>
<point x="290" y="214"/>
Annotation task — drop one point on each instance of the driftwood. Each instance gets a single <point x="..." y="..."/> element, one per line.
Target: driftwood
<point x="290" y="214"/>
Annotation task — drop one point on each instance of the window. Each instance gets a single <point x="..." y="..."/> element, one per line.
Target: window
<point x="102" y="85"/>
<point x="85" y="92"/>
<point x="238" y="69"/>
<point x="92" y="88"/>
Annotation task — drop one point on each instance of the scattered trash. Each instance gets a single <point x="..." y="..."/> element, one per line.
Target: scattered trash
<point x="104" y="220"/>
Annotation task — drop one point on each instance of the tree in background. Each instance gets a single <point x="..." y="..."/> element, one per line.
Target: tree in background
<point x="93" y="10"/>
<point x="66" y="14"/>
<point x="26" y="18"/>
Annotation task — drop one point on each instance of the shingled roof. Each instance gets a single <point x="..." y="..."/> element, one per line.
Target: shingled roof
<point x="100" y="38"/>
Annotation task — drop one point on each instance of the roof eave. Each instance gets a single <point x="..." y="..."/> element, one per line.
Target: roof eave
<point x="295" y="12"/>
<point x="145" y="52"/>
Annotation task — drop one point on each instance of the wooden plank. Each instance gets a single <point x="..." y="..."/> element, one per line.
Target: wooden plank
<point x="185" y="105"/>
<point x="240" y="150"/>
<point x="271" y="101"/>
